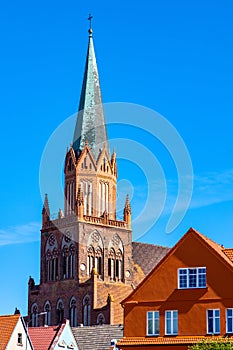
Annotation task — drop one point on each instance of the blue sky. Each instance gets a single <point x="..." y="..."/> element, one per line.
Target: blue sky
<point x="174" y="57"/>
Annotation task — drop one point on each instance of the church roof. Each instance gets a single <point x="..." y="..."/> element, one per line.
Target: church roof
<point x="100" y="336"/>
<point x="147" y="256"/>
<point x="90" y="125"/>
<point x="7" y="326"/>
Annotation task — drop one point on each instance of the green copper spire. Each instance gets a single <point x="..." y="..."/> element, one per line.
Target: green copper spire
<point x="90" y="125"/>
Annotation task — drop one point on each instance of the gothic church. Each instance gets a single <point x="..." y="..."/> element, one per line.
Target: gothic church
<point x="88" y="261"/>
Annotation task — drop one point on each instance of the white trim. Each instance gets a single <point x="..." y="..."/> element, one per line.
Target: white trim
<point x="187" y="276"/>
<point x="227" y="331"/>
<point x="172" y="319"/>
<point x="153" y="319"/>
<point x="207" y="325"/>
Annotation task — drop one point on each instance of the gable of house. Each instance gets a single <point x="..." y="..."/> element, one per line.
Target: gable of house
<point x="193" y="250"/>
<point x="7" y="325"/>
<point x="166" y="291"/>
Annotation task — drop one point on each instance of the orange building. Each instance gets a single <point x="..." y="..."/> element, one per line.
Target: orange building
<point x="188" y="296"/>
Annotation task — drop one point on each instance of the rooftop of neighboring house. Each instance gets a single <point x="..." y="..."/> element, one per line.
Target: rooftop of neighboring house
<point x="185" y="340"/>
<point x="7" y="326"/>
<point x="101" y="336"/>
<point x="48" y="337"/>
<point x="42" y="337"/>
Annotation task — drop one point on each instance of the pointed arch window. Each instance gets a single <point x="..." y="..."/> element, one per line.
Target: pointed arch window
<point x="103" y="197"/>
<point x="73" y="312"/>
<point x="86" y="311"/>
<point x="119" y="265"/>
<point x="98" y="260"/>
<point x="51" y="259"/>
<point x="95" y="260"/>
<point x="90" y="259"/>
<point x="60" y="311"/>
<point x="100" y="319"/>
<point x="111" y="264"/>
<point x="47" y="316"/>
<point x="87" y="190"/>
<point x="68" y="258"/>
<point x="34" y="315"/>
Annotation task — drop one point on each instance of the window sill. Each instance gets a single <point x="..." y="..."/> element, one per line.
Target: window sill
<point x="152" y="335"/>
<point x="193" y="288"/>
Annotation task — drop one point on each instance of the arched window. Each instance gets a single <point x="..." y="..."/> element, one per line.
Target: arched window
<point x="90" y="259"/>
<point x="87" y="190"/>
<point x="100" y="319"/>
<point x="71" y="261"/>
<point x="60" y="311"/>
<point x="68" y="258"/>
<point x="103" y="197"/>
<point x="95" y="259"/>
<point x="47" y="316"/>
<point x="34" y="315"/>
<point x="86" y="311"/>
<point x="51" y="257"/>
<point x="95" y="253"/>
<point x="65" y="263"/>
<point x="119" y="265"/>
<point x="98" y="260"/>
<point x="116" y="259"/>
<point x="111" y="264"/>
<point x="73" y="312"/>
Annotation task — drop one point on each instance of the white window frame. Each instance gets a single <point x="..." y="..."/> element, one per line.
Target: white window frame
<point x="154" y="313"/>
<point x="214" y="321"/>
<point x="230" y="319"/>
<point x="198" y="273"/>
<point x="172" y="322"/>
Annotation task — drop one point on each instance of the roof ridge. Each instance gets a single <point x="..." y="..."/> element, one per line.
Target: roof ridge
<point x="151" y="244"/>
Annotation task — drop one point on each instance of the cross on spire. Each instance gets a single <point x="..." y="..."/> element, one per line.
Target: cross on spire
<point x="90" y="20"/>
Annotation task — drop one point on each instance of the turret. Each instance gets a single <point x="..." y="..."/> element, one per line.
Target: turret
<point x="80" y="204"/>
<point x="45" y="211"/>
<point x="127" y="212"/>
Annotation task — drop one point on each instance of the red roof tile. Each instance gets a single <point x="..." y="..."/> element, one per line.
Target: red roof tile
<point x="42" y="337"/>
<point x="185" y="340"/>
<point x="7" y="325"/>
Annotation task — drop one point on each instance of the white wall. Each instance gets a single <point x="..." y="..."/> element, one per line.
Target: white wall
<point x="13" y="342"/>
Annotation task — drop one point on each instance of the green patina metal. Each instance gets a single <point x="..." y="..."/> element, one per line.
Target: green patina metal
<point x="90" y="125"/>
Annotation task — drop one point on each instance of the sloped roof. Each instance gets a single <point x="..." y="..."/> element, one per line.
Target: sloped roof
<point x="42" y="337"/>
<point x="90" y="125"/>
<point x="229" y="253"/>
<point x="7" y="325"/>
<point x="186" y="340"/>
<point x="147" y="256"/>
<point x="100" y="336"/>
<point x="118" y="291"/>
<point x="224" y="254"/>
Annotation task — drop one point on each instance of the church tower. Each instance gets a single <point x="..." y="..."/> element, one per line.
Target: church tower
<point x="86" y="264"/>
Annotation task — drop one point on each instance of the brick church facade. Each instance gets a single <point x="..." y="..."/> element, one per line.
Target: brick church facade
<point x="88" y="261"/>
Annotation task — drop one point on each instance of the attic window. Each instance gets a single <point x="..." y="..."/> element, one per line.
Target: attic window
<point x="194" y="277"/>
<point x="20" y="339"/>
